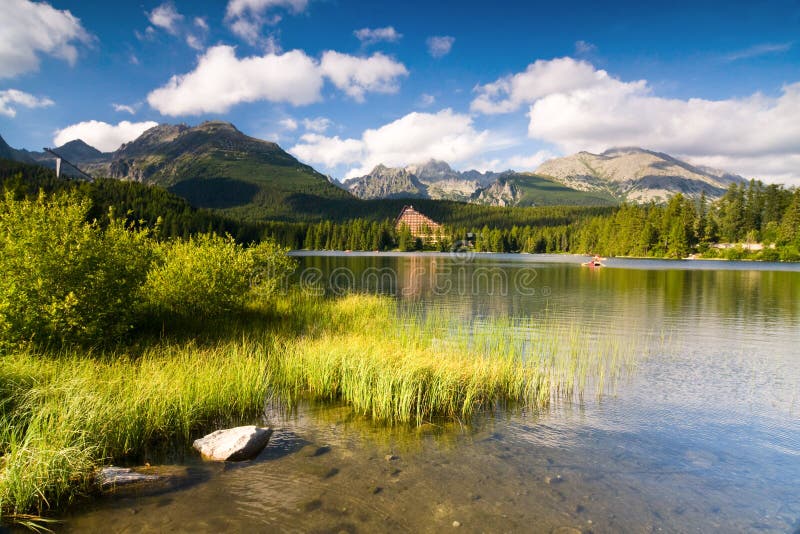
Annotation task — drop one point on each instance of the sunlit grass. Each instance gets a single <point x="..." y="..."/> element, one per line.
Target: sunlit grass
<point x="66" y="413"/>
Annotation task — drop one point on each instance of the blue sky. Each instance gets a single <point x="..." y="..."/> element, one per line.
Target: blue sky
<point x="346" y="85"/>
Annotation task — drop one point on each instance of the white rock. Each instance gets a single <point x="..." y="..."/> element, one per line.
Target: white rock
<point x="233" y="444"/>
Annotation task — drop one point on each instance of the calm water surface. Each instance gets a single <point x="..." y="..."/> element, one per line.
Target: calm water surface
<point x="702" y="435"/>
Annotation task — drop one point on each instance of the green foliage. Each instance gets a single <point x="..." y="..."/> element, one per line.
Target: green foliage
<point x="66" y="280"/>
<point x="207" y="275"/>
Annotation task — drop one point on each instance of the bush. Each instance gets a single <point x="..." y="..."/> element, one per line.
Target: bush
<point x="789" y="253"/>
<point x="208" y="275"/>
<point x="66" y="280"/>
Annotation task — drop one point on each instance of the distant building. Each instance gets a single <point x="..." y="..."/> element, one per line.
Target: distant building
<point x="418" y="224"/>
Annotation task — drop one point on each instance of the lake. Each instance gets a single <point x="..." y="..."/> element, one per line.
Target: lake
<point x="700" y="433"/>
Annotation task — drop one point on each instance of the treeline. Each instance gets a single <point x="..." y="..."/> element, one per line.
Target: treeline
<point x="168" y="215"/>
<point x="747" y="214"/>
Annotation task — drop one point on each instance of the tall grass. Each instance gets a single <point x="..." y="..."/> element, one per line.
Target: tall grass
<point x="63" y="414"/>
<point x="412" y="367"/>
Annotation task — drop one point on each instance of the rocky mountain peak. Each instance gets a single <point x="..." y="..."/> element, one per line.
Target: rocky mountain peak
<point x="150" y="139"/>
<point x="78" y="150"/>
<point x="216" y="126"/>
<point x="636" y="174"/>
<point x="433" y="170"/>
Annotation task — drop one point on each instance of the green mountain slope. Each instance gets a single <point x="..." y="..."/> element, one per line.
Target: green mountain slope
<point x="528" y="189"/>
<point x="214" y="165"/>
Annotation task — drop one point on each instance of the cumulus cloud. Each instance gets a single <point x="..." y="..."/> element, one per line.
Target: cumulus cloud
<point x="317" y="125"/>
<point x="101" y="135"/>
<point x="166" y="17"/>
<point x="415" y="137"/>
<point x="369" y="36"/>
<point x="221" y="80"/>
<point x="288" y="124"/>
<point x="11" y="98"/>
<point x="540" y="79"/>
<point x="440" y="45"/>
<point x="194" y="42"/>
<point x="328" y="151"/>
<point x="358" y="75"/>
<point x="575" y="107"/>
<point x="246" y="17"/>
<point x="30" y="29"/>
<point x="519" y="162"/>
<point x="124" y="108"/>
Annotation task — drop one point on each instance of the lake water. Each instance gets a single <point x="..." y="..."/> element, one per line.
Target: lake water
<point x="702" y="434"/>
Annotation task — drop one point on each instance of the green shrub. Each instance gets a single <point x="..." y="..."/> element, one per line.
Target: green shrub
<point x="789" y="253"/>
<point x="207" y="275"/>
<point x="66" y="280"/>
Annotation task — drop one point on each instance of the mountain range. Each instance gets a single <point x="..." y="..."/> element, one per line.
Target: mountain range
<point x="437" y="180"/>
<point x="214" y="165"/>
<point x="636" y="175"/>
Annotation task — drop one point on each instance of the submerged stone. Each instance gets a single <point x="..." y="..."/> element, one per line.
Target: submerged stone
<point x="112" y="477"/>
<point x="233" y="444"/>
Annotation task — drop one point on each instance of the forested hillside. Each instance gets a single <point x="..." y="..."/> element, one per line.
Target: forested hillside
<point x="747" y="213"/>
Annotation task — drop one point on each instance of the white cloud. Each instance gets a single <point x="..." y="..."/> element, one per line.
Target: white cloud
<point x="30" y="29"/>
<point x="369" y="36"/>
<point x="201" y="23"/>
<point x="440" y="45"/>
<point x="328" y="151"/>
<point x="194" y="42"/>
<point x="11" y="98"/>
<point x="759" y="50"/>
<point x="101" y="135"/>
<point x="246" y="17"/>
<point x="575" y="107"/>
<point x="288" y="124"/>
<point x="415" y="137"/>
<point x="584" y="47"/>
<point x="124" y="108"/>
<point x="541" y="78"/>
<point x="521" y="163"/>
<point x="166" y="17"/>
<point x="148" y="35"/>
<point x="317" y="125"/>
<point x="356" y="75"/>
<point x="426" y="100"/>
<point x="221" y="80"/>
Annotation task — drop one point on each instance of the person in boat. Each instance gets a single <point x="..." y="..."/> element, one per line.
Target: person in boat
<point x="596" y="261"/>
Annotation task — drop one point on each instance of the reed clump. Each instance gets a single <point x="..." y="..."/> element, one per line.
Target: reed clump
<point x="408" y="367"/>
